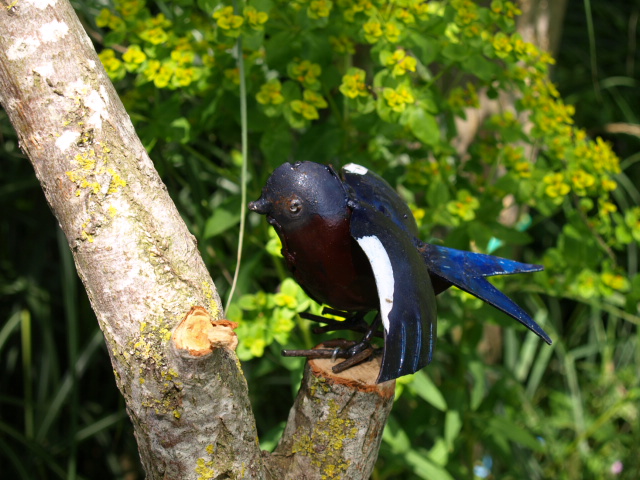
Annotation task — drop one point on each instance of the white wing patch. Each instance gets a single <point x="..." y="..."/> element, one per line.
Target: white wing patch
<point x="355" y="168"/>
<point x="382" y="271"/>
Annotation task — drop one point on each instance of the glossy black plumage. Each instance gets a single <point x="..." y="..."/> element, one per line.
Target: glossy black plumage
<point x="352" y="243"/>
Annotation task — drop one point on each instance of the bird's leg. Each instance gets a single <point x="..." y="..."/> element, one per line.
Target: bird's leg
<point x="334" y="349"/>
<point x="353" y="353"/>
<point x="358" y="352"/>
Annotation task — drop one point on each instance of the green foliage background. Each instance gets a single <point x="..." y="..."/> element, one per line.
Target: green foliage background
<point x="381" y="84"/>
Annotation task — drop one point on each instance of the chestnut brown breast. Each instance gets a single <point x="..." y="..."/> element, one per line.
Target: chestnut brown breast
<point x="330" y="265"/>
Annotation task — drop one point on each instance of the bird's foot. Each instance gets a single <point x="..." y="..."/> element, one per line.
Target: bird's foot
<point x="353" y="353"/>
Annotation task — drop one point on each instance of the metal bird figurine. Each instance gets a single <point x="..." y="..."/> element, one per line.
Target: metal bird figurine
<point x="352" y="243"/>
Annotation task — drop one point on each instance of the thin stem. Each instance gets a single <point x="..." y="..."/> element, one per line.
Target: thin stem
<point x="592" y="49"/>
<point x="245" y="150"/>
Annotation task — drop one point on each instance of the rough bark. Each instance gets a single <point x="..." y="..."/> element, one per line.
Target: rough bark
<point x="136" y="258"/>
<point x="172" y="355"/>
<point x="335" y="426"/>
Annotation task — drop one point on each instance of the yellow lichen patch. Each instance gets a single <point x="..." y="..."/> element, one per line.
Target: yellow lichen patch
<point x="92" y="177"/>
<point x="328" y="438"/>
<point x="208" y="292"/>
<point x="204" y="469"/>
<point x="116" y="181"/>
<point x="149" y="350"/>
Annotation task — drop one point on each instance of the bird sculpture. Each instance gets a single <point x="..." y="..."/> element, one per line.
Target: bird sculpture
<point x="352" y="243"/>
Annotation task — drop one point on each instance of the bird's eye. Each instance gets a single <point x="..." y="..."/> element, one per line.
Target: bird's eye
<point x="295" y="206"/>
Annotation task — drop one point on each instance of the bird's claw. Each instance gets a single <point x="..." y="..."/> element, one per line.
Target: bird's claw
<point x="353" y="353"/>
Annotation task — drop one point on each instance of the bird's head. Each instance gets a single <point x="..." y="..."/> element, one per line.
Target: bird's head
<point x="295" y="193"/>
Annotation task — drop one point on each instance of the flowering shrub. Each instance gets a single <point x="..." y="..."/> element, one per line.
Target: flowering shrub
<point x="384" y="84"/>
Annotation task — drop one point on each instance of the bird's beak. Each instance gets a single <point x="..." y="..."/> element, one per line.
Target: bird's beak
<point x="261" y="206"/>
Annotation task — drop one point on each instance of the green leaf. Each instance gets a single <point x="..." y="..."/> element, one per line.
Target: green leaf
<point x="181" y="130"/>
<point x="424" y="126"/>
<point x="456" y="52"/>
<point x="437" y="194"/>
<point x="276" y="143"/>
<point x="452" y="426"/>
<point x="481" y="67"/>
<point x="424" y="468"/>
<point x="425" y="48"/>
<point x="504" y="428"/>
<point x="427" y="390"/>
<point x="223" y="218"/>
<point x="439" y="453"/>
<point x="477" y="370"/>
<point x="395" y="436"/>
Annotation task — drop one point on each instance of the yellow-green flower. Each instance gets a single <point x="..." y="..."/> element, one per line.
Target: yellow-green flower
<point x="502" y="45"/>
<point x="152" y="69"/>
<point x="305" y="109"/>
<point x="306" y="73"/>
<point x="114" y="66"/>
<point x="183" y="56"/>
<point x="523" y="169"/>
<point x="255" y="18"/>
<point x="228" y="22"/>
<point x="134" y="55"/>
<point x="353" y="85"/>
<point x="155" y="36"/>
<point x="256" y="346"/>
<point x="418" y="214"/>
<point x="184" y="76"/>
<point x="464" y="206"/>
<point x="108" y="19"/>
<point x="421" y="9"/>
<point x="556" y="186"/>
<point x="232" y="74"/>
<point x="615" y="281"/>
<point x="401" y="62"/>
<point x="285" y="299"/>
<point x="606" y="207"/>
<point x="405" y="16"/>
<point x="609" y="185"/>
<point x="102" y="20"/>
<point x="398" y="98"/>
<point x="163" y="76"/>
<point x="581" y="181"/>
<point x="158" y="21"/>
<point x="342" y="44"/>
<point x="586" y="284"/>
<point x="372" y="31"/>
<point x="604" y="158"/>
<point x="319" y="9"/>
<point x="392" y="32"/>
<point x="270" y="93"/>
<point x="358" y="6"/>
<point x="505" y="8"/>
<point x="314" y="98"/>
<point x="129" y="8"/>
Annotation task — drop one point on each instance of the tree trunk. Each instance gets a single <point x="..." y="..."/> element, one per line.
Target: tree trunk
<point x="183" y="386"/>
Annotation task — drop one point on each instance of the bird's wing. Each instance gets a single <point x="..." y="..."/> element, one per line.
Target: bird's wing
<point x="407" y="300"/>
<point x="467" y="271"/>
<point x="373" y="190"/>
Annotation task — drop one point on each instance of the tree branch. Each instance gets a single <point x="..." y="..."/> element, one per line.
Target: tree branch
<point x="173" y="357"/>
<point x="134" y="254"/>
